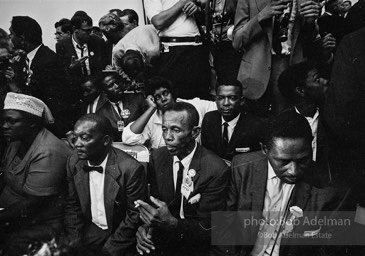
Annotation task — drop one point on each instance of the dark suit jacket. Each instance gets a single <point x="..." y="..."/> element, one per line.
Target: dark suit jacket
<point x="48" y="84"/>
<point x="97" y="60"/>
<point x="247" y="193"/>
<point x="135" y="102"/>
<point x="125" y="182"/>
<point x="246" y="135"/>
<point x="332" y="24"/>
<point x="192" y="234"/>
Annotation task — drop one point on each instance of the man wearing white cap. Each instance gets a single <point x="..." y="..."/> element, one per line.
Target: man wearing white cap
<point x="32" y="175"/>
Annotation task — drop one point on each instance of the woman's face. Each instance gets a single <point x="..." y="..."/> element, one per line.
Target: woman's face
<point x="15" y="125"/>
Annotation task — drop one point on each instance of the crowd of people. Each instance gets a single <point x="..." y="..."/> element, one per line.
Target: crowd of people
<point x="253" y="113"/>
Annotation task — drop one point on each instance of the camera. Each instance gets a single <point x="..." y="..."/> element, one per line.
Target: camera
<point x="282" y="24"/>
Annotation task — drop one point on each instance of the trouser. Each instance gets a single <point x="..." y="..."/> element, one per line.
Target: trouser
<point x="188" y="68"/>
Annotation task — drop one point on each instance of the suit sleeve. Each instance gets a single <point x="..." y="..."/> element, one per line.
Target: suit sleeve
<point x="123" y="241"/>
<point x="73" y="214"/>
<point x="247" y="28"/>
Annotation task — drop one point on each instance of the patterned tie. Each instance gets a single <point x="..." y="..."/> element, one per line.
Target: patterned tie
<point x="83" y="65"/>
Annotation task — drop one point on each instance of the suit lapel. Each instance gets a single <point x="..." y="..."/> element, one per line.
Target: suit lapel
<point x="111" y="187"/>
<point x="36" y="58"/>
<point x="165" y="178"/>
<point x="83" y="188"/>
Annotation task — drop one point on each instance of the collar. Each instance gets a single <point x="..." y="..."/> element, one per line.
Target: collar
<point x="103" y="164"/>
<point x="328" y="13"/>
<point x="31" y="54"/>
<point x="76" y="44"/>
<point x="314" y="117"/>
<point x="271" y="173"/>
<point x="187" y="160"/>
<point x="233" y="122"/>
<point x="157" y="117"/>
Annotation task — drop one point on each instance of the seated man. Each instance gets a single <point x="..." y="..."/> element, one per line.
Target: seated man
<point x="103" y="183"/>
<point x="278" y="184"/>
<point x="188" y="182"/>
<point x="305" y="89"/>
<point x="148" y="126"/>
<point x="118" y="106"/>
<point x="230" y="130"/>
<point x="33" y="175"/>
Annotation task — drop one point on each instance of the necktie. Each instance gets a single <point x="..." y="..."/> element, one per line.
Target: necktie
<point x="175" y="204"/>
<point x="179" y="180"/>
<point x="118" y="108"/>
<point x="99" y="169"/>
<point x="27" y="63"/>
<point x="225" y="135"/>
<point x="83" y="65"/>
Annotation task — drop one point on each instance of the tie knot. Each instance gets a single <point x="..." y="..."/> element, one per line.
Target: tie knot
<point x="181" y="166"/>
<point x="80" y="47"/>
<point x="99" y="169"/>
<point x="225" y="124"/>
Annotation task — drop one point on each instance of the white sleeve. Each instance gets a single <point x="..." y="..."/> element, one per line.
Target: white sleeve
<point x="153" y="7"/>
<point x="131" y="138"/>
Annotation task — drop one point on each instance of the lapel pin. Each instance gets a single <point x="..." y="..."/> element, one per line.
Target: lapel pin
<point x="191" y="173"/>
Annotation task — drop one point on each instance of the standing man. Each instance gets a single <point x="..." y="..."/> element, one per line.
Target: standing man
<point x="230" y="130"/>
<point x="184" y="60"/>
<point x="188" y="182"/>
<point x="271" y="40"/>
<point x="63" y="29"/>
<point x="103" y="183"/>
<point x="83" y="54"/>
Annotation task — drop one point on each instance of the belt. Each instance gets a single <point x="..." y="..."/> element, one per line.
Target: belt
<point x="195" y="39"/>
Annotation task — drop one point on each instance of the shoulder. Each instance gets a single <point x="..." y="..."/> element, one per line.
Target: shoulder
<point x="53" y="144"/>
<point x="211" y="161"/>
<point x="212" y="115"/>
<point x="248" y="160"/>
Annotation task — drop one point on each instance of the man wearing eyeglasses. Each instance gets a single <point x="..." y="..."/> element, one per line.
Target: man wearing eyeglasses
<point x="83" y="54"/>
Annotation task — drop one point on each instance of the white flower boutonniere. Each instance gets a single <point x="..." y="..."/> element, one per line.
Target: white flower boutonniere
<point x="295" y="213"/>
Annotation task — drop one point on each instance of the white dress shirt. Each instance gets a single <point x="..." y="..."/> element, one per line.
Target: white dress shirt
<point x="286" y="189"/>
<point x="231" y="125"/>
<point x="84" y="53"/>
<point x="91" y="108"/>
<point x="32" y="54"/>
<point x="186" y="163"/>
<point x="153" y="129"/>
<point x="96" y="183"/>
<point x="313" y="122"/>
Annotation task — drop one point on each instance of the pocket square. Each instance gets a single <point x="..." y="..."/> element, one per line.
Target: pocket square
<point x="194" y="199"/>
<point x="312" y="233"/>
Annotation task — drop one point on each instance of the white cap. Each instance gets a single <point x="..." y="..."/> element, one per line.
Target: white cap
<point x="29" y="104"/>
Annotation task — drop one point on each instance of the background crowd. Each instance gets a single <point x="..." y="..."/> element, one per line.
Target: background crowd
<point x="243" y="106"/>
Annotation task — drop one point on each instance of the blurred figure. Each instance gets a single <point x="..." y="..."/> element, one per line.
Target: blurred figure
<point x="129" y="18"/>
<point x="355" y="18"/>
<point x="63" y="29"/>
<point x="346" y="7"/>
<point x="332" y="20"/>
<point x="96" y="32"/>
<point x="117" y="12"/>
<point x="34" y="175"/>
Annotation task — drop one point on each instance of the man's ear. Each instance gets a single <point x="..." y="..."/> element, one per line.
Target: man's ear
<point x="263" y="148"/>
<point x="107" y="140"/>
<point x="195" y="132"/>
<point x="300" y="90"/>
<point x="243" y="101"/>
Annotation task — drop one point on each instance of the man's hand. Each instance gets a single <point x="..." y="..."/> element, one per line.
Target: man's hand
<point x="310" y="10"/>
<point x="275" y="7"/>
<point x="328" y="45"/>
<point x="190" y="8"/>
<point x="9" y="73"/>
<point x="76" y="63"/>
<point x="144" y="243"/>
<point x="160" y="217"/>
<point x="150" y="101"/>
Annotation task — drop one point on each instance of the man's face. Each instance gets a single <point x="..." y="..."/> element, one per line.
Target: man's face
<point x="89" y="142"/>
<point x="83" y="33"/>
<point x="228" y="100"/>
<point x="15" y="125"/>
<point x="128" y="26"/>
<point x="338" y="7"/>
<point x="163" y="98"/>
<point x="90" y="91"/>
<point x="113" y="89"/>
<point x="346" y="6"/>
<point x="17" y="40"/>
<point x="316" y="87"/>
<point x="60" y="35"/>
<point x="290" y="158"/>
<point x="178" y="136"/>
<point x="109" y="29"/>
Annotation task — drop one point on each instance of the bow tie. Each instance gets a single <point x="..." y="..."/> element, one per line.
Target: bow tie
<point x="99" y="169"/>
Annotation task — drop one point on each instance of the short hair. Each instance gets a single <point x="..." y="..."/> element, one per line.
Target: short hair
<point x="132" y="15"/>
<point x="28" y="28"/>
<point x="193" y="115"/>
<point x="289" y="125"/>
<point x="132" y="63"/>
<point x="348" y="1"/>
<point x="102" y="124"/>
<point x="156" y="82"/>
<point x="5" y="41"/>
<point x="79" y="18"/>
<point x="294" y="76"/>
<point x="65" y="25"/>
<point x="117" y="11"/>
<point x="96" y="80"/>
<point x="229" y="82"/>
<point x="328" y="6"/>
<point x="111" y="18"/>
